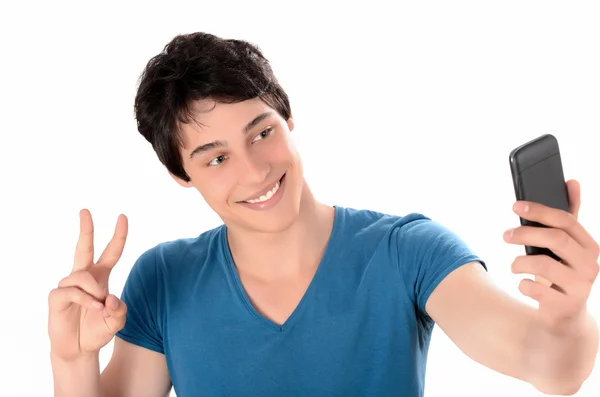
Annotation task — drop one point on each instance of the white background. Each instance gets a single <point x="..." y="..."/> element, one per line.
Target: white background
<point x="410" y="107"/>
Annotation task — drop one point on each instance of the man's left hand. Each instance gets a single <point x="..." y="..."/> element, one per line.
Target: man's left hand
<point x="563" y="300"/>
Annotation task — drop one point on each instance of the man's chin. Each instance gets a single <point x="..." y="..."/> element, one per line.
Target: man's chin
<point x="270" y="217"/>
<point x="267" y="223"/>
<point x="275" y="220"/>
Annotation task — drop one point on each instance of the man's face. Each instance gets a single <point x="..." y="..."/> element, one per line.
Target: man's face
<point x="240" y="158"/>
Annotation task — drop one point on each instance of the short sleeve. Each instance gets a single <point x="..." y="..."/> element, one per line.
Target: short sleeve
<point x="428" y="252"/>
<point x="139" y="294"/>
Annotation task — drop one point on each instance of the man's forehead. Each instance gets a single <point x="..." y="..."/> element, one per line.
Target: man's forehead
<point x="211" y="116"/>
<point x="203" y="106"/>
<point x="209" y="112"/>
<point x="206" y="115"/>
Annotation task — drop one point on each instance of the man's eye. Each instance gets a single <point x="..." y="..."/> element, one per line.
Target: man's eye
<point x="263" y="134"/>
<point x="217" y="160"/>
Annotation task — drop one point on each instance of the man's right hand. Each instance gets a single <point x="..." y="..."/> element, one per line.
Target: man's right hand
<point x="83" y="317"/>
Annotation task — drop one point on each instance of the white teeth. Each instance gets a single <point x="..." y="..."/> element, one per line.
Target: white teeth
<point x="266" y="196"/>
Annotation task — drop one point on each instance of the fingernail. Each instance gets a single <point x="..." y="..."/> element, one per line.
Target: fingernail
<point x="97" y="305"/>
<point x="508" y="234"/>
<point x="520" y="207"/>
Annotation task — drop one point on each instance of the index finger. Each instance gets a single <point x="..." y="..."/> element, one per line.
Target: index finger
<point x="555" y="218"/>
<point x="84" y="251"/>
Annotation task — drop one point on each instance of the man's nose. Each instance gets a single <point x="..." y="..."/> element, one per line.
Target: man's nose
<point x="253" y="171"/>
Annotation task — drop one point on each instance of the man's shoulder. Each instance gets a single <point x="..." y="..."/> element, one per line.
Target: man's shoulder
<point x="183" y="251"/>
<point x="202" y="243"/>
<point x="373" y="230"/>
<point x="374" y="220"/>
<point x="411" y="230"/>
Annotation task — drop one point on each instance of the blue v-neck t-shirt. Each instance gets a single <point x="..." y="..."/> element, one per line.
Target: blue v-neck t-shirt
<point x="360" y="329"/>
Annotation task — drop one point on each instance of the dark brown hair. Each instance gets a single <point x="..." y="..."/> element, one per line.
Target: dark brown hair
<point x="193" y="67"/>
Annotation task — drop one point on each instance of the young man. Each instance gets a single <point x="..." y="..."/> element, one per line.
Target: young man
<point x="291" y="297"/>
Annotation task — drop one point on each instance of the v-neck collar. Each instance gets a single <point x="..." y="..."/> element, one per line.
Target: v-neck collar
<point x="328" y="252"/>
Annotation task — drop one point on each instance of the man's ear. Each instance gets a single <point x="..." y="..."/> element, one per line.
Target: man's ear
<point x="290" y="123"/>
<point x="180" y="181"/>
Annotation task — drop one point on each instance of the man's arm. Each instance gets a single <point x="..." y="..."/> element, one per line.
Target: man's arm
<point x="506" y="335"/>
<point x="135" y="371"/>
<point x="132" y="371"/>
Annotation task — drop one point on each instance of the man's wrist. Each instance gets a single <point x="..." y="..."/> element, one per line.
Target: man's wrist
<point x="77" y="376"/>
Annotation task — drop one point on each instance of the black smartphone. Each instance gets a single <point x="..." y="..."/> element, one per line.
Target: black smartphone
<point x="538" y="176"/>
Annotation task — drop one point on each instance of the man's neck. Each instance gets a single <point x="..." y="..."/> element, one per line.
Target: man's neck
<point x="288" y="253"/>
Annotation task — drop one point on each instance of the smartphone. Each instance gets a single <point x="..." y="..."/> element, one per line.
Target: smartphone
<point x="538" y="176"/>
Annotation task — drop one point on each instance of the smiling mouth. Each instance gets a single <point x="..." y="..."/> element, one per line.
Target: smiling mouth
<point x="266" y="196"/>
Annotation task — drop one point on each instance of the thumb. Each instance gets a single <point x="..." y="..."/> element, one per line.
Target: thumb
<point x="115" y="311"/>
<point x="574" y="191"/>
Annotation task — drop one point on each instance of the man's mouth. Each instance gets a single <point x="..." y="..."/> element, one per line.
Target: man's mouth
<point x="266" y="196"/>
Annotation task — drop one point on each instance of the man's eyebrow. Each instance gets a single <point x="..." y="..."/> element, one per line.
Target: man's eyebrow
<point x="212" y="145"/>
<point x="256" y="121"/>
<point x="206" y="147"/>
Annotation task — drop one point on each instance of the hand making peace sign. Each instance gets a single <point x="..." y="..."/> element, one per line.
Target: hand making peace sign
<point x="83" y="316"/>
